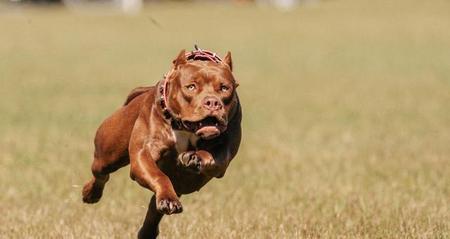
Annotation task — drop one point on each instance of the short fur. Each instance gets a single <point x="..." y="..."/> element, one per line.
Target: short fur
<point x="166" y="161"/>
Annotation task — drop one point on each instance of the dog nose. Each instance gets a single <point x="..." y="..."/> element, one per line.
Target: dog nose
<point x="212" y="103"/>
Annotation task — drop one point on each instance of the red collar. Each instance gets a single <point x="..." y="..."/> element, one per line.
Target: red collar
<point x="203" y="55"/>
<point x="175" y="121"/>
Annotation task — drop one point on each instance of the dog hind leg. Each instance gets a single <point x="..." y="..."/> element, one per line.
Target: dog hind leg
<point x="101" y="168"/>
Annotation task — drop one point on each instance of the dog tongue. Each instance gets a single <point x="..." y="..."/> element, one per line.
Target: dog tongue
<point x="208" y="132"/>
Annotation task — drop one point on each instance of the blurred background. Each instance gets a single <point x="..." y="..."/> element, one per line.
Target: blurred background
<point x="135" y="6"/>
<point x="346" y="127"/>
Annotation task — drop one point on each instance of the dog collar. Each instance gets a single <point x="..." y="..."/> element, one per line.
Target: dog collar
<point x="202" y="55"/>
<point x="175" y="121"/>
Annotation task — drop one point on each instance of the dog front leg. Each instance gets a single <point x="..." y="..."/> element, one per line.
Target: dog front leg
<point x="150" y="227"/>
<point x="203" y="162"/>
<point x="214" y="160"/>
<point x="145" y="171"/>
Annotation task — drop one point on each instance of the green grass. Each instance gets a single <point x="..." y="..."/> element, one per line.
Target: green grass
<point x="346" y="119"/>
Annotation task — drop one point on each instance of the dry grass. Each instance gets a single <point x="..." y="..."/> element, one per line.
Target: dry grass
<point x="346" y="125"/>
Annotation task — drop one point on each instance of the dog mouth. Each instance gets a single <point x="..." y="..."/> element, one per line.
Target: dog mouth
<point x="206" y="128"/>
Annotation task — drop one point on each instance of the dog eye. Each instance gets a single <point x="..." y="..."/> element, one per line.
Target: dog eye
<point x="190" y="87"/>
<point x="224" y="88"/>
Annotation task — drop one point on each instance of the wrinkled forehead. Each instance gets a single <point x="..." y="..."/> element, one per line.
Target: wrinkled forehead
<point x="204" y="72"/>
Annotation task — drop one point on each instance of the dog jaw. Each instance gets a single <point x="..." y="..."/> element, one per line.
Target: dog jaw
<point x="208" y="132"/>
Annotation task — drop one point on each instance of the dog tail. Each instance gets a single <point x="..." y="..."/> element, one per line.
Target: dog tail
<point x="136" y="92"/>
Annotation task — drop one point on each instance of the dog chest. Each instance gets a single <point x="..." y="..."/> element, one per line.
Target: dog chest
<point x="183" y="139"/>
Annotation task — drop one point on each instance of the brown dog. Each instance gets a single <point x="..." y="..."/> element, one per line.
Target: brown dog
<point x="176" y="135"/>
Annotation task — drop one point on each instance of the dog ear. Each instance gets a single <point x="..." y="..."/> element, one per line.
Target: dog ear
<point x="181" y="59"/>
<point x="227" y="60"/>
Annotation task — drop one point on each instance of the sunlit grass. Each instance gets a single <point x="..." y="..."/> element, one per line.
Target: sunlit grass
<point x="346" y="119"/>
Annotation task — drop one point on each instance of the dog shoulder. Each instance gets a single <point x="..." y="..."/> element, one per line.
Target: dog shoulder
<point x="137" y="92"/>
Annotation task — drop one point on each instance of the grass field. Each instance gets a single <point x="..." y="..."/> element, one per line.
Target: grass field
<point x="346" y="119"/>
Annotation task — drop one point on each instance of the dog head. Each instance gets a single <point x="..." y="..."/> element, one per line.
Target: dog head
<point x="202" y="94"/>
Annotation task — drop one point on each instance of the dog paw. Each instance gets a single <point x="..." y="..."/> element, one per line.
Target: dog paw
<point x="167" y="205"/>
<point x="191" y="161"/>
<point x="92" y="192"/>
